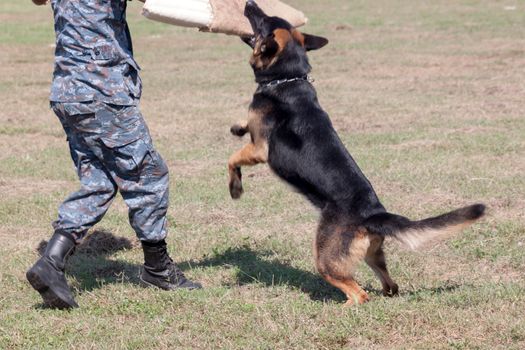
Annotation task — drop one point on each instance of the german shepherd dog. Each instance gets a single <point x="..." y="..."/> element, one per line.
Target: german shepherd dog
<point x="290" y="131"/>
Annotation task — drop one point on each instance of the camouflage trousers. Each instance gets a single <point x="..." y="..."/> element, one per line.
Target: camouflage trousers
<point x="112" y="151"/>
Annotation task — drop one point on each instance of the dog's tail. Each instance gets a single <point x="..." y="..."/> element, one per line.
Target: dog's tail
<point x="415" y="233"/>
<point x="239" y="129"/>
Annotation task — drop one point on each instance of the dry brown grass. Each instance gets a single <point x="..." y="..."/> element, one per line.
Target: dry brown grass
<point x="428" y="97"/>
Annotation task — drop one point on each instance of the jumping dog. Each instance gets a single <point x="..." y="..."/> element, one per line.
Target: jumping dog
<point x="292" y="133"/>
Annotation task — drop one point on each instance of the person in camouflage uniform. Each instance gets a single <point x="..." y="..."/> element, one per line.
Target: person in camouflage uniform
<point x="95" y="94"/>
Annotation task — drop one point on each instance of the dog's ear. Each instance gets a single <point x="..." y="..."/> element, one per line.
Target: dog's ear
<point x="313" y="42"/>
<point x="249" y="40"/>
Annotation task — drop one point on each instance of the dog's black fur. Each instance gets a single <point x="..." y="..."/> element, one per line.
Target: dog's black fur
<point x="304" y="150"/>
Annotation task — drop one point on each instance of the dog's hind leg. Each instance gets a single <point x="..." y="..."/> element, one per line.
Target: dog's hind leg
<point x="337" y="255"/>
<point x="375" y="258"/>
<point x="352" y="290"/>
<point x="251" y="154"/>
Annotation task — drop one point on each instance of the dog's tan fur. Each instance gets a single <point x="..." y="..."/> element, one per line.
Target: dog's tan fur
<point x="253" y="153"/>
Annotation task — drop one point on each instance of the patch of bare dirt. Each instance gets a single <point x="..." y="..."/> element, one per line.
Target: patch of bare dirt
<point x="416" y="144"/>
<point x="23" y="144"/>
<point x="16" y="239"/>
<point x="15" y="187"/>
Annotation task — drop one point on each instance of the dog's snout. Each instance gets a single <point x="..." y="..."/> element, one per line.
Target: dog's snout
<point x="251" y="9"/>
<point x="248" y="9"/>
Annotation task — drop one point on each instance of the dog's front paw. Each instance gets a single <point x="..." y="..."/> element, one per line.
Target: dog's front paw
<point x="236" y="189"/>
<point x="238" y="130"/>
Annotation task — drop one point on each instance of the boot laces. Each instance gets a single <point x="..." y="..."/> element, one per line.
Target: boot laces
<point x="177" y="273"/>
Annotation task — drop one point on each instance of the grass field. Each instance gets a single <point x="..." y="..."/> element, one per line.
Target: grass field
<point x="427" y="96"/>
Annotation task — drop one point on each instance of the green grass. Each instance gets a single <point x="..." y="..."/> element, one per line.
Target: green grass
<point x="427" y="96"/>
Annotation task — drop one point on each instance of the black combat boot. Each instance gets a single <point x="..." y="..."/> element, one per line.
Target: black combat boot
<point x="160" y="271"/>
<point x="47" y="274"/>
